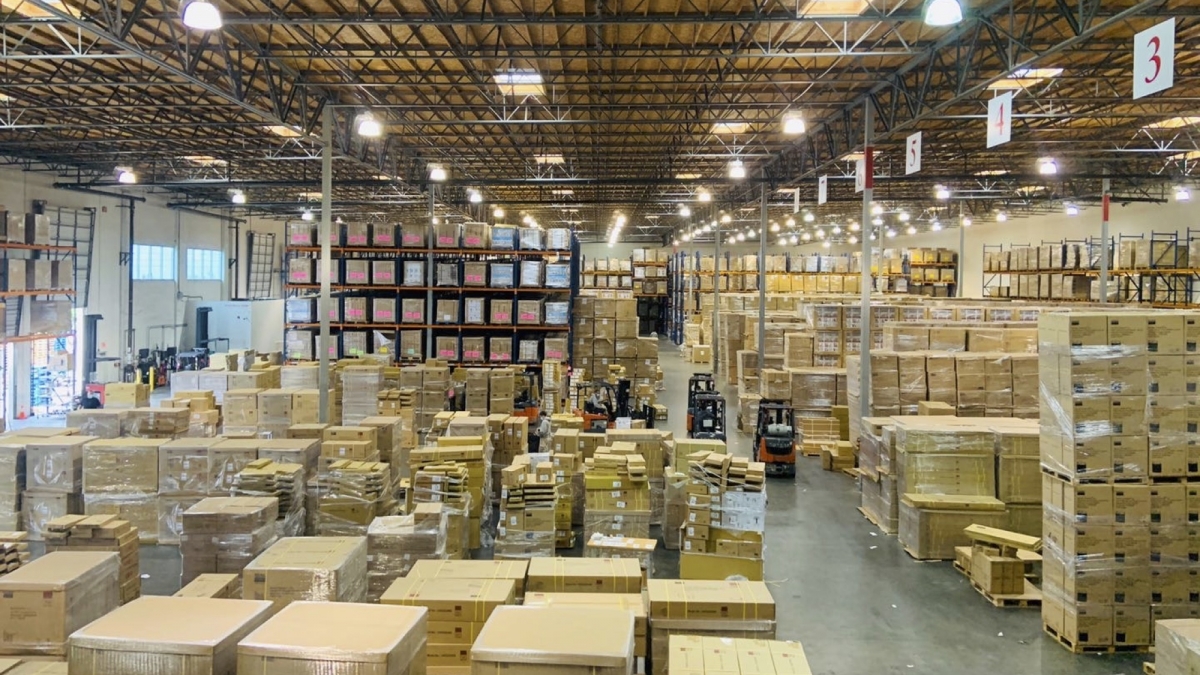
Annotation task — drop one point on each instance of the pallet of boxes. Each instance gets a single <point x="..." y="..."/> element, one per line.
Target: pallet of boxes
<point x="1117" y="446"/>
<point x="352" y="486"/>
<point x="528" y="510"/>
<point x="396" y="543"/>
<point x="457" y="472"/>
<point x="706" y="608"/>
<point x="617" y="493"/>
<point x="43" y="603"/>
<point x="727" y="505"/>
<point x="100" y="533"/>
<point x="53" y="480"/>
<point x="221" y="535"/>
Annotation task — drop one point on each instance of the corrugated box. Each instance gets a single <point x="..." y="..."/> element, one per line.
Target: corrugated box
<point x="308" y="568"/>
<point x="587" y="575"/>
<point x="566" y="640"/>
<point x="44" y="602"/>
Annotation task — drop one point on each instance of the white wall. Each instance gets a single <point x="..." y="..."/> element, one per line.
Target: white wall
<point x="155" y="302"/>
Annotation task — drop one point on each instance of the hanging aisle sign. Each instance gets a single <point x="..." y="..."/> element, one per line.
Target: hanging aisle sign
<point x="822" y="189"/>
<point x="912" y="154"/>
<point x="1154" y="59"/>
<point x="999" y="120"/>
<point x="860" y="175"/>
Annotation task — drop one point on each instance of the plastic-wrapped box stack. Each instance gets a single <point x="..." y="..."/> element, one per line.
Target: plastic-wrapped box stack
<point x="726" y="517"/>
<point x="330" y="569"/>
<point x="641" y="550"/>
<point x="726" y="609"/>
<point x="284" y="481"/>
<point x="617" y="495"/>
<point x="162" y="423"/>
<point x="349" y="495"/>
<point x="223" y="534"/>
<point x="360" y="392"/>
<point x="1117" y="440"/>
<point x="468" y="441"/>
<point x="606" y="334"/>
<point x="514" y="570"/>
<point x="528" y="502"/>
<point x="183" y="480"/>
<point x="101" y="423"/>
<point x="564" y="640"/>
<point x="649" y="443"/>
<point x="101" y="533"/>
<point x="629" y="602"/>
<point x="120" y="478"/>
<point x="44" y="602"/>
<point x="53" y="480"/>
<point x="12" y="483"/>
<point x="445" y="483"/>
<point x="457" y="611"/>
<point x="396" y="543"/>
<point x="166" y="635"/>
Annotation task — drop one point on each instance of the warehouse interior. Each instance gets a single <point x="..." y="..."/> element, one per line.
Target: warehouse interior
<point x="426" y="277"/>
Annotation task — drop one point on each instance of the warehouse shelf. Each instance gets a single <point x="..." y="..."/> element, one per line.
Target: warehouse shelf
<point x="431" y="326"/>
<point x="36" y="247"/>
<point x="26" y="294"/>
<point x="341" y="288"/>
<point x="400" y="250"/>
<point x="13" y="339"/>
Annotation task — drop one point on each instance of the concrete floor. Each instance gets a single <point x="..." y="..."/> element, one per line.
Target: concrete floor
<point x="857" y="602"/>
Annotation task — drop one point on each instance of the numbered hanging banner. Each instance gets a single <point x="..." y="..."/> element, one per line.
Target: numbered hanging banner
<point x="999" y="120"/>
<point x="822" y="189"/>
<point x="860" y="175"/>
<point x="912" y="154"/>
<point x="1154" y="59"/>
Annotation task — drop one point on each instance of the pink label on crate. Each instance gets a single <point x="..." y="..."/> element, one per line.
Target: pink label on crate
<point x="355" y="314"/>
<point x="496" y="356"/>
<point x="474" y="278"/>
<point x="299" y="239"/>
<point x="384" y="240"/>
<point x="411" y="239"/>
<point x="445" y="241"/>
<point x="298" y="277"/>
<point x="383" y="277"/>
<point x="502" y="316"/>
<point x="553" y="355"/>
<point x="472" y="355"/>
<point x="472" y="241"/>
<point x="446" y="354"/>
<point x="356" y="276"/>
<point x="383" y="316"/>
<point x="527" y="316"/>
<point x="356" y="240"/>
<point x="412" y="316"/>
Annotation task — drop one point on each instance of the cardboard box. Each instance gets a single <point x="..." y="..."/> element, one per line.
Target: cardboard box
<point x="335" y="637"/>
<point x="43" y="602"/>
<point x="55" y="464"/>
<point x="452" y="600"/>
<point x="710" y="600"/>
<point x="167" y="635"/>
<point x="212" y="586"/>
<point x="558" y="639"/>
<point x="308" y="568"/>
<point x="584" y="575"/>
<point x="634" y="603"/>
<point x="513" y="570"/>
<point x="121" y="465"/>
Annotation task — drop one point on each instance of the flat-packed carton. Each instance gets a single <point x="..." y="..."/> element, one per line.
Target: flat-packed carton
<point x="167" y="635"/>
<point x="120" y="465"/>
<point x="633" y="602"/>
<point x="44" y="602"/>
<point x="584" y="575"/>
<point x="513" y="570"/>
<point x="565" y="640"/>
<point x="212" y="586"/>
<point x="183" y="466"/>
<point x="308" y="568"/>
<point x="337" y="637"/>
<point x="55" y="464"/>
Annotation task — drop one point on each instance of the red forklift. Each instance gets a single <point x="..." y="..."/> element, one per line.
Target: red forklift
<point x="775" y="438"/>
<point x="699" y="383"/>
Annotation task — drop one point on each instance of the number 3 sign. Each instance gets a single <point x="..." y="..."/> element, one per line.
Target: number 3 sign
<point x="1154" y="59"/>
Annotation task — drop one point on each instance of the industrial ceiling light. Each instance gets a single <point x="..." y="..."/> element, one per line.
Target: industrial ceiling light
<point x="1047" y="166"/>
<point x="837" y="229"/>
<point x="549" y="159"/>
<point x="820" y="233"/>
<point x="877" y="221"/>
<point x="891" y="234"/>
<point x="200" y="15"/>
<point x="338" y="221"/>
<point x="911" y="230"/>
<point x="794" y="240"/>
<point x="782" y="241"/>
<point x="675" y="243"/>
<point x="126" y="176"/>
<point x="1001" y="217"/>
<point x="368" y="126"/>
<point x="752" y="233"/>
<point x="684" y="211"/>
<point x="966" y="221"/>
<point x="437" y="173"/>
<point x="790" y="222"/>
<point x="438" y="221"/>
<point x="941" y="192"/>
<point x="730" y="128"/>
<point x="854" y="227"/>
<point x="520" y="83"/>
<point x="804" y="236"/>
<point x="793" y="124"/>
<point x="706" y="229"/>
<point x="741" y="236"/>
<point x="877" y="209"/>
<point x="904" y="217"/>
<point x="497" y="212"/>
<point x="1182" y="194"/>
<point x="936" y="226"/>
<point x="942" y="12"/>
<point x="238" y="197"/>
<point x="737" y="170"/>
<point x="726" y="219"/>
<point x="1072" y="210"/>
<point x="475" y="197"/>
<point x="703" y="196"/>
<point x="825" y="244"/>
<point x="686" y="237"/>
<point x="808" y="217"/>
<point x="306" y="216"/>
<point x="853" y="239"/>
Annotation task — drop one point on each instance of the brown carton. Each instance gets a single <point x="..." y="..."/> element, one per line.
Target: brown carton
<point x="710" y="600"/>
<point x="452" y="600"/>
<point x="308" y="568"/>
<point x="167" y="635"/>
<point x="44" y="602"/>
<point x="513" y="570"/>
<point x="115" y="465"/>
<point x="586" y="575"/>
<point x="564" y="640"/>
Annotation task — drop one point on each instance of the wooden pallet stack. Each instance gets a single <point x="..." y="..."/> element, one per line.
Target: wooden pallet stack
<point x="1001" y="565"/>
<point x="100" y="533"/>
<point x="14" y="551"/>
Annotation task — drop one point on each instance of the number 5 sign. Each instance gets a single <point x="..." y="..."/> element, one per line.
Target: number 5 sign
<point x="1154" y="59"/>
<point x="912" y="154"/>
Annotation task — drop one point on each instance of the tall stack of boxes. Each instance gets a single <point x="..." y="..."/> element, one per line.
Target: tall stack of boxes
<point x="349" y="495"/>
<point x="1117" y="427"/>
<point x="727" y="508"/>
<point x="101" y="533"/>
<point x="183" y="480"/>
<point x="396" y="543"/>
<point x="53" y="480"/>
<point x="360" y="392"/>
<point x="223" y="534"/>
<point x="65" y="591"/>
<point x="528" y="503"/>
<point x="606" y="334"/>
<point x="120" y="478"/>
<point x="457" y="610"/>
<point x="617" y="493"/>
<point x="727" y="609"/>
<point x="12" y="483"/>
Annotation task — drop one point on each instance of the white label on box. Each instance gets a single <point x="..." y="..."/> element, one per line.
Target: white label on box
<point x="616" y="494"/>
<point x="616" y="483"/>
<point x="618" y="518"/>
<point x="620" y="505"/>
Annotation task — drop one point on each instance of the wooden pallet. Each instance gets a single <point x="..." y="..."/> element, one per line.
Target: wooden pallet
<point x="874" y="522"/>
<point x="1030" y="599"/>
<point x="1075" y="648"/>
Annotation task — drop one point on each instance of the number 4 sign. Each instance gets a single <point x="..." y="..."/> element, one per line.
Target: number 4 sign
<point x="999" y="120"/>
<point x="912" y="154"/>
<point x="1154" y="59"/>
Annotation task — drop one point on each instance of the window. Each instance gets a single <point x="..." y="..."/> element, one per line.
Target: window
<point x="205" y="264"/>
<point x="153" y="263"/>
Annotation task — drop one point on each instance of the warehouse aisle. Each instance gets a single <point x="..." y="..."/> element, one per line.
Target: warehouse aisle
<point x="858" y="602"/>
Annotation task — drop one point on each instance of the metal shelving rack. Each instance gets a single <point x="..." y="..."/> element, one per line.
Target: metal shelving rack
<point x="430" y="292"/>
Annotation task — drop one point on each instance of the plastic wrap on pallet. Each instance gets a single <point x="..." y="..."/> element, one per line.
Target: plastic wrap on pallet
<point x="86" y="589"/>
<point x="396" y="543"/>
<point x="140" y="509"/>
<point x="98" y="423"/>
<point x="320" y="569"/>
<point x="619" y="523"/>
<point x="1177" y="645"/>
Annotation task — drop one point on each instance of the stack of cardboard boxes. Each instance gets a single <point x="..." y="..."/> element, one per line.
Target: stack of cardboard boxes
<point x="727" y="507"/>
<point x="350" y="494"/>
<point x="331" y="569"/>
<point x="528" y="505"/>
<point x="183" y="480"/>
<point x="617" y="493"/>
<point x="360" y="392"/>
<point x="396" y="543"/>
<point x="457" y="610"/>
<point x="265" y="477"/>
<point x="223" y="534"/>
<point x="1117" y="440"/>
<point x="53" y="480"/>
<point x="65" y="591"/>
<point x="432" y="381"/>
<point x="120" y="478"/>
<point x="606" y="334"/>
<point x="101" y="533"/>
<point x="12" y="483"/>
<point x="725" y="609"/>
